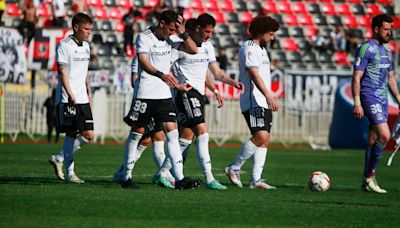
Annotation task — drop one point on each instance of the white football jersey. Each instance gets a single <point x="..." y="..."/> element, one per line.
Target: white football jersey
<point x="251" y="55"/>
<point x="193" y="68"/>
<point x="159" y="53"/>
<point x="76" y="57"/>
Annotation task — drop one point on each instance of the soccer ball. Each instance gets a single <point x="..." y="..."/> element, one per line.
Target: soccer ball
<point x="319" y="182"/>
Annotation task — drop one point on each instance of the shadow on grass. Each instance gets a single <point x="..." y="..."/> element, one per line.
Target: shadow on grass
<point x="53" y="181"/>
<point x="313" y="202"/>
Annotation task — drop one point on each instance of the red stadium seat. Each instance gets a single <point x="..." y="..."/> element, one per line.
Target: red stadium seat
<point x="43" y="11"/>
<point x="306" y="19"/>
<point x="291" y="19"/>
<point x="329" y="9"/>
<point x="365" y="21"/>
<point x="350" y="21"/>
<point x="212" y="5"/>
<point x="227" y="6"/>
<point x="187" y="14"/>
<point x="340" y="58"/>
<point x="270" y="7"/>
<point x="101" y="13"/>
<point x="355" y="1"/>
<point x="312" y="32"/>
<point x="290" y="44"/>
<point x="299" y="7"/>
<point x="13" y="10"/>
<point x="373" y="9"/>
<point x="219" y="17"/>
<point x="95" y="3"/>
<point x="125" y="3"/>
<point x="311" y="0"/>
<point x="115" y="13"/>
<point x="325" y="0"/>
<point x="284" y="7"/>
<point x="246" y="17"/>
<point x="386" y="2"/>
<point x="369" y="34"/>
<point x="197" y="5"/>
<point x="152" y="3"/>
<point x="396" y="22"/>
<point x="344" y="9"/>
<point x="119" y="27"/>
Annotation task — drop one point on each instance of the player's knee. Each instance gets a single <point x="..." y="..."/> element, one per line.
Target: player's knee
<point x="261" y="139"/>
<point x="146" y="141"/>
<point x="384" y="138"/>
<point x="88" y="135"/>
<point x="159" y="136"/>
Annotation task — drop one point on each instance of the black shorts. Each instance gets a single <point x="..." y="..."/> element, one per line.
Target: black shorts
<point x="190" y="108"/>
<point x="74" y="118"/>
<point x="258" y="119"/>
<point x="150" y="114"/>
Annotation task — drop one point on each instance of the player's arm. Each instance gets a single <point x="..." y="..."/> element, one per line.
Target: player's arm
<point x="89" y="90"/>
<point x="222" y="76"/>
<point x="211" y="86"/>
<point x="355" y="89"/>
<point x="188" y="46"/>
<point x="256" y="78"/>
<point x="63" y="74"/>
<point x="393" y="86"/>
<point x="146" y="66"/>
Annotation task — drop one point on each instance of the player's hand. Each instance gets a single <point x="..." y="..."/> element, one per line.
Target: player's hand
<point x="272" y="103"/>
<point x="183" y="87"/>
<point x="179" y="25"/>
<point x="71" y="100"/>
<point x="220" y="100"/>
<point x="239" y="86"/>
<point x="170" y="80"/>
<point x="358" y="111"/>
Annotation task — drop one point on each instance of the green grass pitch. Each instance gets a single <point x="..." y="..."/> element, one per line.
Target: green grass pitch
<point x="31" y="196"/>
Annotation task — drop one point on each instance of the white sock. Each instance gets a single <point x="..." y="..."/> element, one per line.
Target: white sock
<point x="158" y="153"/>
<point x="247" y="150"/>
<point x="69" y="155"/>
<point x="175" y="154"/>
<point x="78" y="143"/>
<point x="184" y="144"/>
<point x="140" y="149"/>
<point x="165" y="167"/>
<point x="258" y="163"/>
<point x="131" y="153"/>
<point x="203" y="156"/>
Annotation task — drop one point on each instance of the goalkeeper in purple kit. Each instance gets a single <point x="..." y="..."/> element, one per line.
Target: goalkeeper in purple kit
<point x="373" y="75"/>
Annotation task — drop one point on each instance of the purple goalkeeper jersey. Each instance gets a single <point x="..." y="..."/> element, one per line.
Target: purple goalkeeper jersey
<point x="375" y="60"/>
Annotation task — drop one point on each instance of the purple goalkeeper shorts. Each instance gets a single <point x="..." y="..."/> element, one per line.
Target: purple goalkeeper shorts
<point x="376" y="110"/>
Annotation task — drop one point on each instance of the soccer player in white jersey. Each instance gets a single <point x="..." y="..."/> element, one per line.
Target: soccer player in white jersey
<point x="156" y="137"/>
<point x="257" y="102"/>
<point x="153" y="99"/>
<point x="192" y="69"/>
<point x="74" y="96"/>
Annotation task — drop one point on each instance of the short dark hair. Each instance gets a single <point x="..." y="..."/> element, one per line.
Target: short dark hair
<point x="81" y="18"/>
<point x="378" y="20"/>
<point x="263" y="24"/>
<point x="169" y="16"/>
<point x="205" y="19"/>
<point x="191" y="24"/>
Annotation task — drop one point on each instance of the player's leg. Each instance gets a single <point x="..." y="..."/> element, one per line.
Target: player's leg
<point x="203" y="155"/>
<point x="84" y="120"/>
<point x="158" y="148"/>
<point x="377" y="114"/>
<point x="374" y="155"/>
<point x="185" y="140"/>
<point x="143" y="144"/>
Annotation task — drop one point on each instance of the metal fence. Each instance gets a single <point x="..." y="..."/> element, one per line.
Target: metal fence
<point x="24" y="113"/>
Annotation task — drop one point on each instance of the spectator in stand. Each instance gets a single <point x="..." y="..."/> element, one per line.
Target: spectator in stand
<point x="158" y="9"/>
<point x="50" y="105"/>
<point x="222" y="59"/>
<point x="339" y="39"/>
<point x="2" y="9"/>
<point x="59" y="11"/>
<point x="129" y="29"/>
<point x="352" y="42"/>
<point x="27" y="26"/>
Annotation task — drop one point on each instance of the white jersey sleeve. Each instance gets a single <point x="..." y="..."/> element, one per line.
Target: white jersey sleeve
<point x="142" y="45"/>
<point x="251" y="56"/>
<point x="62" y="53"/>
<point x="211" y="53"/>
